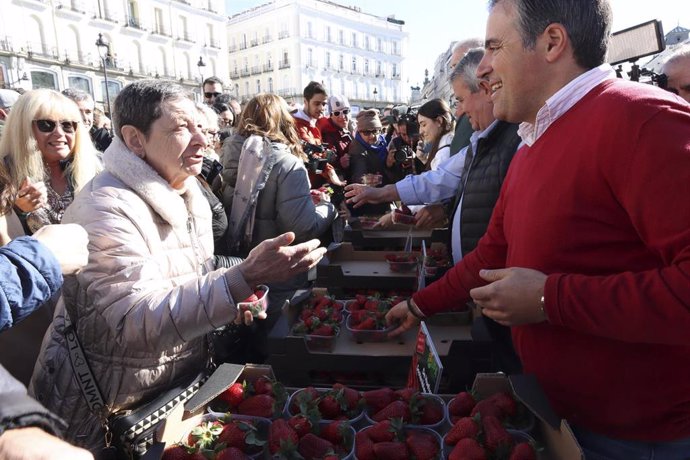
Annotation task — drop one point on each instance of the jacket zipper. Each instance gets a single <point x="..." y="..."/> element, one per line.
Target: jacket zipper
<point x="195" y="245"/>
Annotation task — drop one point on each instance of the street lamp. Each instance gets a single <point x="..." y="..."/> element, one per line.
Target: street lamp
<point x="375" y="99"/>
<point x="201" y="64"/>
<point x="104" y="53"/>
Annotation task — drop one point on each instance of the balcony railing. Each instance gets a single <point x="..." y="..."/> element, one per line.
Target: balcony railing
<point x="234" y="75"/>
<point x="186" y="36"/>
<point x="254" y="42"/>
<point x="283" y="34"/>
<point x="256" y="70"/>
<point x="284" y="64"/>
<point x="243" y="46"/>
<point x="133" y="22"/>
<point x="244" y="72"/>
<point x="266" y="39"/>
<point x="268" y="67"/>
<point x="6" y="44"/>
<point x="232" y="48"/>
<point x="161" y="31"/>
<point x="213" y="43"/>
<point x="41" y="51"/>
<point x="71" y="5"/>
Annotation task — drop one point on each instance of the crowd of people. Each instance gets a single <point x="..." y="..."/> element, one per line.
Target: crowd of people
<point x="562" y="188"/>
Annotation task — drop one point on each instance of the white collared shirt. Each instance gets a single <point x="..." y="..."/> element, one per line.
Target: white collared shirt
<point x="563" y="100"/>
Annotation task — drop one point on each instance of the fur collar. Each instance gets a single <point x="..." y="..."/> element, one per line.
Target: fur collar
<point x="136" y="174"/>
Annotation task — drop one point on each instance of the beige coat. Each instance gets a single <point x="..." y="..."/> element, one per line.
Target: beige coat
<point x="146" y="298"/>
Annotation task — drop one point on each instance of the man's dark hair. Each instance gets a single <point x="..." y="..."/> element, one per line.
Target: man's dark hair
<point x="313" y="88"/>
<point x="224" y="98"/>
<point x="588" y="23"/>
<point x="212" y="80"/>
<point x="139" y="104"/>
<point x="76" y="95"/>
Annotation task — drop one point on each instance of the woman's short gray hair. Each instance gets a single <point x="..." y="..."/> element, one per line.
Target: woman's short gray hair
<point x="139" y="103"/>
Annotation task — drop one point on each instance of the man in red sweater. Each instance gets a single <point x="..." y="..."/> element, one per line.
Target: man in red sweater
<point x="587" y="255"/>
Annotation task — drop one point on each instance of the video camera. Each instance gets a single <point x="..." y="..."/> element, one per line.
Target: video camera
<point x="317" y="156"/>
<point x="630" y="44"/>
<point x="405" y="152"/>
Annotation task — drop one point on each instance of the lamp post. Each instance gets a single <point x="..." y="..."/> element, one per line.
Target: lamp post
<point x="103" y="52"/>
<point x="201" y="64"/>
<point x="376" y="92"/>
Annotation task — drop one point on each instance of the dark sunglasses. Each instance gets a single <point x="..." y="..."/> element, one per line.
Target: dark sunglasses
<point x="48" y="126"/>
<point x="210" y="95"/>
<point x="370" y="132"/>
<point x="344" y="112"/>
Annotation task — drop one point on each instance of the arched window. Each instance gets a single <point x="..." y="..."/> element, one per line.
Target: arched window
<point x="80" y="82"/>
<point x="43" y="79"/>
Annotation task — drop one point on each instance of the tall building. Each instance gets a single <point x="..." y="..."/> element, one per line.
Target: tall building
<point x="283" y="45"/>
<point x="52" y="43"/>
<point x="438" y="87"/>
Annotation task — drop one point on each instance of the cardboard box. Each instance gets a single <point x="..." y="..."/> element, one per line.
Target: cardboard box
<point x="554" y="433"/>
<point x="393" y="238"/>
<point x="183" y="419"/>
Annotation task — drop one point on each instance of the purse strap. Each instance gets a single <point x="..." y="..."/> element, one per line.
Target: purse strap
<point x="87" y="382"/>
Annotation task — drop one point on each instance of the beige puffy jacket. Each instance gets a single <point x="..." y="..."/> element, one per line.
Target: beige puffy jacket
<point x="146" y="298"/>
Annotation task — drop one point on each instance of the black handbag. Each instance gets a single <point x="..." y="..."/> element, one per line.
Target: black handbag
<point x="129" y="434"/>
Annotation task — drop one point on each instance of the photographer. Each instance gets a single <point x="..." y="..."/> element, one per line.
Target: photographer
<point x="400" y="159"/>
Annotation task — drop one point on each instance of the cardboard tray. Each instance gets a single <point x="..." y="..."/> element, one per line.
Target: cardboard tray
<point x="394" y="237"/>
<point x="555" y="434"/>
<point x="345" y="266"/>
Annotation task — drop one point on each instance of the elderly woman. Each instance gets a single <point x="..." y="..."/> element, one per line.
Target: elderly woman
<point x="149" y="294"/>
<point x="49" y="156"/>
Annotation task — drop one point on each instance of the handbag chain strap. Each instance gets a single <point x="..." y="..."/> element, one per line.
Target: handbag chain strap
<point x="87" y="382"/>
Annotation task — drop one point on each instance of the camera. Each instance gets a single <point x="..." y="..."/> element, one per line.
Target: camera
<point x="403" y="153"/>
<point x="318" y="156"/>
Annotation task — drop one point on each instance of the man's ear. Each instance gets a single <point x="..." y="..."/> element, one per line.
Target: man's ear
<point x="555" y="41"/>
<point x="134" y="140"/>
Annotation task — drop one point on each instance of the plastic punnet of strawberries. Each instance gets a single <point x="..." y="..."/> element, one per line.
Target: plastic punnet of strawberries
<point x="306" y="439"/>
<point x="479" y="428"/>
<point x="407" y="404"/>
<point x="338" y="402"/>
<point x="257" y="302"/>
<point x="321" y="316"/>
<point x="264" y="397"/>
<point x="389" y="439"/>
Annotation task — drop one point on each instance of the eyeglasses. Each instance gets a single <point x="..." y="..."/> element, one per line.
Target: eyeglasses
<point x="370" y="132"/>
<point x="210" y="95"/>
<point x="48" y="126"/>
<point x="225" y="122"/>
<point x="344" y="112"/>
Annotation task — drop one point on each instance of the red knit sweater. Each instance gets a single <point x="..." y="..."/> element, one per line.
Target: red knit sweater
<point x="601" y="203"/>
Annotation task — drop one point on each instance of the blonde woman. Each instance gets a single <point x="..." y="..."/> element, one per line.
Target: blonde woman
<point x="48" y="154"/>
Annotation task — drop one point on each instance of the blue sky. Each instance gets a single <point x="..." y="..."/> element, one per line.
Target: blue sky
<point x="431" y="29"/>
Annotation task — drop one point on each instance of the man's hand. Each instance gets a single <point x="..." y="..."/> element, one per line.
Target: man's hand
<point x="513" y="296"/>
<point x="33" y="443"/>
<point x="432" y="216"/>
<point x="31" y="197"/>
<point x="68" y="242"/>
<point x="273" y="260"/>
<point x="401" y="315"/>
<point x="358" y="194"/>
<point x="385" y="221"/>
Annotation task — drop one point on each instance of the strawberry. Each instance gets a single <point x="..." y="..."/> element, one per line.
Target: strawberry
<point x="505" y="402"/>
<point x="462" y="404"/>
<point x="231" y="453"/>
<point x="258" y="406"/>
<point x="330" y="407"/>
<point x="301" y="424"/>
<point x="396" y="409"/>
<point x="406" y="394"/>
<point x="251" y="298"/>
<point x="312" y="447"/>
<point x="281" y="437"/>
<point x="371" y="305"/>
<point x="431" y="411"/>
<point x="176" y="452"/>
<point x="523" y="451"/>
<point x="361" y="299"/>
<point x="263" y="386"/>
<point x="487" y="408"/>
<point x="234" y="395"/>
<point x="464" y="428"/>
<point x="336" y="432"/>
<point x="331" y="457"/>
<point x="467" y="449"/>
<point x="204" y="434"/>
<point x="324" y="330"/>
<point x="358" y="316"/>
<point x="240" y="434"/>
<point x="352" y="397"/>
<point x="495" y="436"/>
<point x="386" y="430"/>
<point x="368" y="324"/>
<point x="391" y="451"/>
<point x="378" y="399"/>
<point x="364" y="446"/>
<point x="422" y="445"/>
